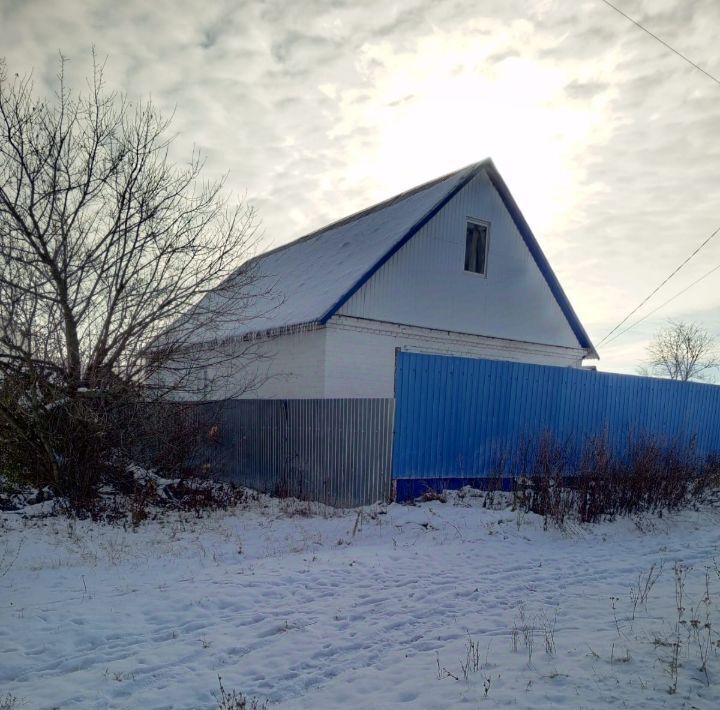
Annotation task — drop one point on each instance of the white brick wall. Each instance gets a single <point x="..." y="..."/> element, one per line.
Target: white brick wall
<point x="291" y="366"/>
<point x="352" y="357"/>
<point x="360" y="355"/>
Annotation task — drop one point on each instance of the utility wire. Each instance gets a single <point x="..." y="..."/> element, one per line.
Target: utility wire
<point x="642" y="303"/>
<point x="662" y="305"/>
<point x="663" y="42"/>
<point x="647" y="298"/>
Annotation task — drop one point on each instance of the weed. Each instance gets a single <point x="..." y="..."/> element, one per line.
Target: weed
<point x="694" y="635"/>
<point x="548" y="628"/>
<point x="613" y="604"/>
<point x="524" y="629"/>
<point x="680" y="573"/>
<point x="701" y="628"/>
<point x="471" y="664"/>
<point x="645" y="582"/>
<point x="619" y="659"/>
<point x="8" y="558"/>
<point x="515" y="637"/>
<point x="234" y="700"/>
<point x="294" y="508"/>
<point x="443" y="672"/>
<point x="594" y="653"/>
<point x="358" y="523"/>
<point x="528" y="634"/>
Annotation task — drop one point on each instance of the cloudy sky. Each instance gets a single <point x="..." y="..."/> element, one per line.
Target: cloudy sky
<point x="609" y="142"/>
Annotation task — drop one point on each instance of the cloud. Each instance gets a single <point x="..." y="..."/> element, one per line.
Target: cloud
<point x="317" y="109"/>
<point x="585" y="90"/>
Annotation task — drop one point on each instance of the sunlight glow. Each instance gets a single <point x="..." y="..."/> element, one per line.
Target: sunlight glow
<point x="444" y="104"/>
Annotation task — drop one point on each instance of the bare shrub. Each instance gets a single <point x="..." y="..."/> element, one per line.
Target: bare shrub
<point x="172" y="437"/>
<point x="198" y="495"/>
<point x="108" y="256"/>
<point x="650" y="477"/>
<point x="558" y="479"/>
<point x="544" y="465"/>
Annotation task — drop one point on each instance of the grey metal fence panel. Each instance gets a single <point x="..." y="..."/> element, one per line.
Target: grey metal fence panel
<point x="336" y="451"/>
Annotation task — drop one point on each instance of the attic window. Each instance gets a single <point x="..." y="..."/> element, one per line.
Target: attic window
<point x="476" y="244"/>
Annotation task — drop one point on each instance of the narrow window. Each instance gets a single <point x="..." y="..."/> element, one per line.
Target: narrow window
<point x="476" y="247"/>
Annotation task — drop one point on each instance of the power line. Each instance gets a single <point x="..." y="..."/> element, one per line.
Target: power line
<point x="647" y="298"/>
<point x="673" y="273"/>
<point x="663" y="42"/>
<point x="662" y="305"/>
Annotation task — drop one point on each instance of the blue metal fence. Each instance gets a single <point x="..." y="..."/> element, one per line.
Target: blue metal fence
<point x="455" y="417"/>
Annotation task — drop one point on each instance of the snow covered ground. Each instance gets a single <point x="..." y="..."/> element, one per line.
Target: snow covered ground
<point x="432" y="606"/>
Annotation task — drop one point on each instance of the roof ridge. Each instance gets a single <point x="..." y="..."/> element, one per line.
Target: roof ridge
<point x="369" y="210"/>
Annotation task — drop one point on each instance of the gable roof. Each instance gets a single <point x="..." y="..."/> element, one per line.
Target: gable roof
<point x="310" y="280"/>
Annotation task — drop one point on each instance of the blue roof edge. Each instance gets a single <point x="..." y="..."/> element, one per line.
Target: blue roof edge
<point x="540" y="259"/>
<point x="529" y="238"/>
<point x="473" y="170"/>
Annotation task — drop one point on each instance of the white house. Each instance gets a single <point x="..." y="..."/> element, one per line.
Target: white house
<point x="449" y="267"/>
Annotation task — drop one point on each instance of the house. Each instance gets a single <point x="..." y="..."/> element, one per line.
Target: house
<point x="450" y="267"/>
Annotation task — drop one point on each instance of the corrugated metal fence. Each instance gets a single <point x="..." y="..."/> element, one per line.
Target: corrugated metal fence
<point x="336" y="451"/>
<point x="456" y="416"/>
<point x="452" y="422"/>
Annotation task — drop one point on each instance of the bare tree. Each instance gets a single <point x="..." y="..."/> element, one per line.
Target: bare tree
<point x="682" y="351"/>
<point x="105" y="247"/>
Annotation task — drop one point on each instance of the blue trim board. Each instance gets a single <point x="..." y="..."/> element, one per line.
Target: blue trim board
<point x="540" y="258"/>
<point x="399" y="244"/>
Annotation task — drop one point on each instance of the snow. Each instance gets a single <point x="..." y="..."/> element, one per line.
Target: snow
<point x="313" y="608"/>
<point x="298" y="283"/>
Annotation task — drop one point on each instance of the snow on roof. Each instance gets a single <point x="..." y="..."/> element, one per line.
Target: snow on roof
<point x="305" y="282"/>
<point x="299" y="283"/>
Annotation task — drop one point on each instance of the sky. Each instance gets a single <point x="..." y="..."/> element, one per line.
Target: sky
<point x="608" y="140"/>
